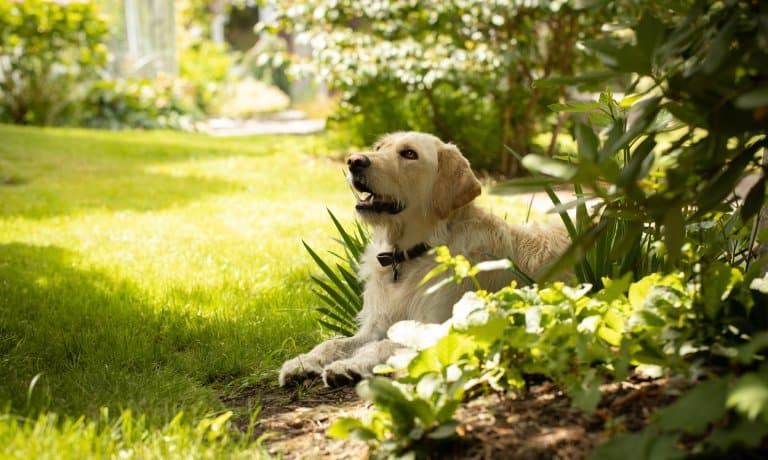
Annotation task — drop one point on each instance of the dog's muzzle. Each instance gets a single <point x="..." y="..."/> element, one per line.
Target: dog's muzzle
<point x="369" y="201"/>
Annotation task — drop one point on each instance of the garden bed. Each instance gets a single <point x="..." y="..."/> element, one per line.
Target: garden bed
<point x="541" y="424"/>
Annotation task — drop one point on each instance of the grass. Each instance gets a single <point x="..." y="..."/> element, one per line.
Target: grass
<point x="145" y="276"/>
<point x="148" y="273"/>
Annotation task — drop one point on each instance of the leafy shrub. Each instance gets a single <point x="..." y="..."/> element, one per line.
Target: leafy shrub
<point x="579" y="341"/>
<point x="462" y="69"/>
<point x="49" y="54"/>
<point x="164" y="103"/>
<point x="664" y="161"/>
<point x="206" y="65"/>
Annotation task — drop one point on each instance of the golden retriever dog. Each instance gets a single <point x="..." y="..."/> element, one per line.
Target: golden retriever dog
<point x="417" y="193"/>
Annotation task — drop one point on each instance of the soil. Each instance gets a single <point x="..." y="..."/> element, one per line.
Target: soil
<point x="540" y="424"/>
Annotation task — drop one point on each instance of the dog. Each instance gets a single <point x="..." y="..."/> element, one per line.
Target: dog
<point x="417" y="192"/>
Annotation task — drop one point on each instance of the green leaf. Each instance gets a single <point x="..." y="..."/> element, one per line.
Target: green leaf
<point x="744" y="433"/>
<point x="444" y="431"/>
<point x="645" y="445"/>
<point x="645" y="112"/>
<point x="547" y="166"/>
<point x="650" y="34"/>
<point x="389" y="398"/>
<point x="586" y="393"/>
<point x="574" y="106"/>
<point x="453" y="346"/>
<point x="723" y="184"/>
<point x="753" y="99"/>
<point x="696" y="409"/>
<point x="754" y="201"/>
<point x="587" y="141"/>
<point x="639" y="291"/>
<point x="750" y="395"/>
<point x="674" y="232"/>
<point x="485" y="335"/>
<point x="350" y="428"/>
<point x="639" y="164"/>
<point x="524" y="185"/>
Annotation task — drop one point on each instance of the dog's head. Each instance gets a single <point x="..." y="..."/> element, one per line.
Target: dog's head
<point x="410" y="174"/>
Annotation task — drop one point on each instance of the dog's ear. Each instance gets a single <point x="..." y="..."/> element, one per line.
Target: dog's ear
<point x="456" y="184"/>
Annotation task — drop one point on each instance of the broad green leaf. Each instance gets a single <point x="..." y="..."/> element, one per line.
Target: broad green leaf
<point x="586" y="393"/>
<point x="587" y="141"/>
<point x="645" y="445"/>
<point x="611" y="336"/>
<point x="640" y="290"/>
<point x="745" y="433"/>
<point x="350" y="428"/>
<point x="650" y="34"/>
<point x="547" y="166"/>
<point x="629" y="99"/>
<point x="424" y="362"/>
<point x="453" y="346"/>
<point x="614" y="289"/>
<point x="696" y="409"/>
<point x="444" y="431"/>
<point x="753" y="99"/>
<point x="486" y="334"/>
<point x="750" y="395"/>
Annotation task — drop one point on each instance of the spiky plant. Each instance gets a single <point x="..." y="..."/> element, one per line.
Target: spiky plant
<point x="339" y="288"/>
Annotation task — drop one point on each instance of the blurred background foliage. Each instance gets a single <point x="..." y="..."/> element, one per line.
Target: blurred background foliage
<point x="463" y="70"/>
<point x="143" y="64"/>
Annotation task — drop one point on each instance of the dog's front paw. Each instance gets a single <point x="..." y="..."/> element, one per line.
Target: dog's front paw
<point x="298" y="369"/>
<point x="343" y="373"/>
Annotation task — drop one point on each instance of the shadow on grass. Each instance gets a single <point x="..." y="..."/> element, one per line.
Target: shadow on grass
<point x="50" y="172"/>
<point x="99" y="342"/>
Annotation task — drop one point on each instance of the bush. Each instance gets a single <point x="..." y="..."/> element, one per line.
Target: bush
<point x="462" y="70"/>
<point x="50" y="52"/>
<point x="579" y="341"/>
<point x="206" y="65"/>
<point x="662" y="163"/>
<point x="164" y="103"/>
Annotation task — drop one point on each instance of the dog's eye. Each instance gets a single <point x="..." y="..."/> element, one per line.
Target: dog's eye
<point x="409" y="154"/>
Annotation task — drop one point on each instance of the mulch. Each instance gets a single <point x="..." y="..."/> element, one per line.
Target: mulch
<point x="539" y="424"/>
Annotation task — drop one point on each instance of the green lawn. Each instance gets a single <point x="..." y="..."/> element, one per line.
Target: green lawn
<point x="146" y="274"/>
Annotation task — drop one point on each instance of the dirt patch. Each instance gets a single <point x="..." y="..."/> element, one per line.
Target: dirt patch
<point x="541" y="424"/>
<point x="295" y="419"/>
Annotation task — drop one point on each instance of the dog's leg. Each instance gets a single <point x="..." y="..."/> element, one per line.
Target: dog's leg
<point x="361" y="364"/>
<point x="311" y="364"/>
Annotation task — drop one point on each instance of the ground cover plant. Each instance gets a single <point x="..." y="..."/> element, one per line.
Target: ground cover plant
<point x="666" y="254"/>
<point x="143" y="278"/>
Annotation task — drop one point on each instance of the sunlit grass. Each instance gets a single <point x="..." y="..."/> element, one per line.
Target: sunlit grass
<point x="148" y="271"/>
<point x="145" y="275"/>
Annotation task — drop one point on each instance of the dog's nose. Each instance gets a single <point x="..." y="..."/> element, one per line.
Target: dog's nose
<point x="358" y="163"/>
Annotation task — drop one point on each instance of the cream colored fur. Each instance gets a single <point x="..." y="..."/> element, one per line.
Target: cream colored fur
<point x="437" y="190"/>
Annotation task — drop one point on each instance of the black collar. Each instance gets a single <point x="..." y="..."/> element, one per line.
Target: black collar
<point x="396" y="257"/>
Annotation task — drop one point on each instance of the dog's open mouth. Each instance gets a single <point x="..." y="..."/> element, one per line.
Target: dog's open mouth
<point x="369" y="201"/>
